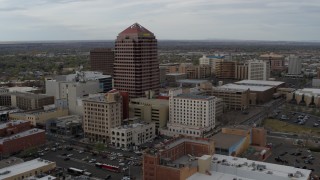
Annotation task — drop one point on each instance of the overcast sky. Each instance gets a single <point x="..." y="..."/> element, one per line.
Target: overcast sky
<point x="292" y="20"/>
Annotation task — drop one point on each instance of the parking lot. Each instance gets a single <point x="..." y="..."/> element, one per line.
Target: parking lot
<point x="297" y="118"/>
<point x="285" y="153"/>
<point x="67" y="156"/>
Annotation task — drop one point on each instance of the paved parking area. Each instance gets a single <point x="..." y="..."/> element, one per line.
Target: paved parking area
<point x="80" y="160"/>
<point x="293" y="155"/>
<point x="294" y="116"/>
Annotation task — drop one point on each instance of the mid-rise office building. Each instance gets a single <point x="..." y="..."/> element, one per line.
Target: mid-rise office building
<point x="25" y="101"/>
<point x="71" y="88"/>
<point x="136" y="65"/>
<point x="101" y="59"/>
<point x="276" y="61"/>
<point x="241" y="71"/>
<point x="211" y="61"/>
<point x="129" y="136"/>
<point x="225" y="69"/>
<point x="258" y="70"/>
<point x="294" y="65"/>
<point x="191" y="114"/>
<point x="102" y="113"/>
<point x="150" y="110"/>
<point x="195" y="72"/>
<point x="232" y="98"/>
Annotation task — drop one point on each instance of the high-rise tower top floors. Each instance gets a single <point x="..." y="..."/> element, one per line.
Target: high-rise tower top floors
<point x="136" y="65"/>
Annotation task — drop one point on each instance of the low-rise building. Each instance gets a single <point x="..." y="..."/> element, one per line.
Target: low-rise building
<point x="129" y="136"/>
<point x="21" y="141"/>
<point x="66" y="125"/>
<point x="175" y="159"/>
<point x="309" y="97"/>
<point x="172" y="78"/>
<point x="150" y="110"/>
<point x="27" y="169"/>
<point x="40" y="116"/>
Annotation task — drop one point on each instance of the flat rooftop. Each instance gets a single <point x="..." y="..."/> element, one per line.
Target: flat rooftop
<point x="192" y="81"/>
<point x="13" y="123"/>
<point x="246" y="87"/>
<point x="309" y="91"/>
<point x="23" y="167"/>
<point x="21" y="89"/>
<point x="175" y="142"/>
<point x="175" y="74"/>
<point x="225" y="141"/>
<point x="21" y="134"/>
<point x="132" y="126"/>
<point x="194" y="96"/>
<point x="260" y="82"/>
<point x="48" y="177"/>
<point x="155" y="102"/>
<point x="226" y="167"/>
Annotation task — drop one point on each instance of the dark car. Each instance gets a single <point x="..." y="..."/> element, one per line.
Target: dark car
<point x="108" y="177"/>
<point x="66" y="159"/>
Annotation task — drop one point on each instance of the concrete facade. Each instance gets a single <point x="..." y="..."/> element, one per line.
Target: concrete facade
<point x="294" y="65"/>
<point x="258" y="70"/>
<point x="128" y="136"/>
<point x="150" y="110"/>
<point x="100" y="115"/>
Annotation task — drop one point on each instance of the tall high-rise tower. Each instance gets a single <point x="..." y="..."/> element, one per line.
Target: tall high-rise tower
<point x="136" y="65"/>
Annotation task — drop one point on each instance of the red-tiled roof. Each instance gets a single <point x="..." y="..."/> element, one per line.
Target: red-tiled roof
<point x="135" y="29"/>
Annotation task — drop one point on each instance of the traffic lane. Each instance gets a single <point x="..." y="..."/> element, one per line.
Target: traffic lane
<point x="96" y="172"/>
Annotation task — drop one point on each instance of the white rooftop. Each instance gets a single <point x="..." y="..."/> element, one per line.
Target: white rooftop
<point x="21" y="89"/>
<point x="23" y="167"/>
<point x="228" y="167"/>
<point x="12" y="122"/>
<point x="21" y="134"/>
<point x="308" y="91"/>
<point x="245" y="87"/>
<point x="260" y="82"/>
<point x="48" y="177"/>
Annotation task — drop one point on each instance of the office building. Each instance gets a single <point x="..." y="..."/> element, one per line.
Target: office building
<point x="258" y="70"/>
<point x="27" y="169"/>
<point x="101" y="59"/>
<point x="237" y="99"/>
<point x="191" y="114"/>
<point x="211" y="61"/>
<point x="136" y="65"/>
<point x="241" y="71"/>
<point x="25" y="101"/>
<point x="129" y="136"/>
<point x="163" y="72"/>
<point x="275" y="61"/>
<point x="175" y="159"/>
<point x="150" y="110"/>
<point x="170" y="67"/>
<point x="101" y="113"/>
<point x="70" y="89"/>
<point x="294" y="66"/>
<point x="225" y="69"/>
<point x="195" y="72"/>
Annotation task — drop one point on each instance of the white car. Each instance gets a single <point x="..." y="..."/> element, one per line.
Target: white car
<point x="69" y="155"/>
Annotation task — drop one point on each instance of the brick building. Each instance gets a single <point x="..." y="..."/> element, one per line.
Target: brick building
<point x="101" y="59"/>
<point x="17" y="136"/>
<point x="276" y="61"/>
<point x="175" y="160"/>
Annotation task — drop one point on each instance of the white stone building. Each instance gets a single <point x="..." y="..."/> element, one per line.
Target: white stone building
<point x="258" y="70"/>
<point x="191" y="114"/>
<point x="128" y="136"/>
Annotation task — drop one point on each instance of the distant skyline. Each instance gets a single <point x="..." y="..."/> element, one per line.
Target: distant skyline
<point x="272" y="20"/>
